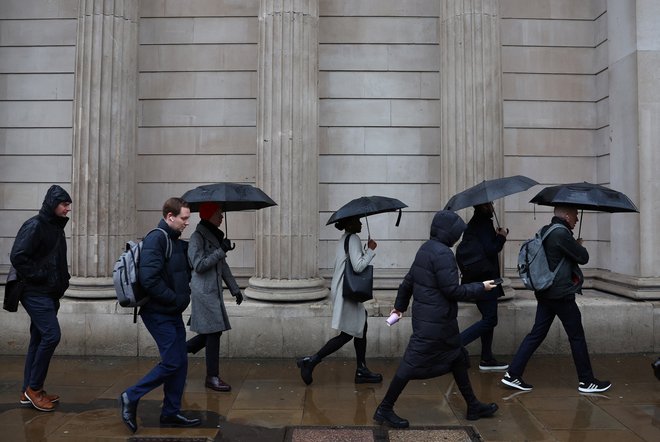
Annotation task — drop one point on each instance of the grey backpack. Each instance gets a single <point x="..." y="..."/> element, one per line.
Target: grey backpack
<point x="125" y="273"/>
<point x="533" y="265"/>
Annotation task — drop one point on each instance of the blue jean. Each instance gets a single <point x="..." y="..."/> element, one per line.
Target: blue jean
<point x="569" y="315"/>
<point x="45" y="334"/>
<point x="170" y="335"/>
<point x="483" y="328"/>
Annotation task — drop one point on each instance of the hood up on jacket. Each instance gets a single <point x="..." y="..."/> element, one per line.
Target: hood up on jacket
<point x="447" y="227"/>
<point x="53" y="198"/>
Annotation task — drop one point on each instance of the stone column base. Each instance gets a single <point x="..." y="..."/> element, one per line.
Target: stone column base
<point x="91" y="288"/>
<point x="286" y="290"/>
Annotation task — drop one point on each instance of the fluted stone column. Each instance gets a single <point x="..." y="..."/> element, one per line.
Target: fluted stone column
<point x="471" y="94"/>
<point x="286" y="266"/>
<point x="471" y="98"/>
<point x="105" y="104"/>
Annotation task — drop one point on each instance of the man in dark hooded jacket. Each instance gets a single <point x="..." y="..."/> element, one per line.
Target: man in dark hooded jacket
<point x="39" y="257"/>
<point x="481" y="245"/>
<point x="562" y="250"/>
<point x="435" y="345"/>
<point x="167" y="282"/>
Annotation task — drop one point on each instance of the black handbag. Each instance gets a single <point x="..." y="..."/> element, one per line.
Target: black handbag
<point x="358" y="287"/>
<point x="13" y="290"/>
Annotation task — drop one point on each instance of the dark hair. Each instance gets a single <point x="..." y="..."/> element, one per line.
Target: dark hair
<point x="343" y="223"/>
<point x="173" y="205"/>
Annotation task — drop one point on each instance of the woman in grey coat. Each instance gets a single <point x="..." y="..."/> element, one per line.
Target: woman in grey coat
<point x="348" y="317"/>
<point x="206" y="253"/>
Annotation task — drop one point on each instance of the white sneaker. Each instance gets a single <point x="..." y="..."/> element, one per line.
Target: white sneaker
<point x="595" y="386"/>
<point x="515" y="382"/>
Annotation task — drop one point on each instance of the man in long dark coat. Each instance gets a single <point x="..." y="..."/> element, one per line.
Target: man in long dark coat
<point x="435" y="345"/>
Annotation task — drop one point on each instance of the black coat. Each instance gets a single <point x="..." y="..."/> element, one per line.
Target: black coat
<point x="561" y="244"/>
<point x="433" y="283"/>
<point x="166" y="281"/>
<point x="480" y="230"/>
<point x="33" y="255"/>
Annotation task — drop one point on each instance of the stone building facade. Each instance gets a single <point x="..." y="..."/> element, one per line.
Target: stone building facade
<point x="128" y="102"/>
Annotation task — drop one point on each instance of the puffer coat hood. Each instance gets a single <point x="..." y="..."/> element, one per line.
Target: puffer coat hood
<point x="447" y="227"/>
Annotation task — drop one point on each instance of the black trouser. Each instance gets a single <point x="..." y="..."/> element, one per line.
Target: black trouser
<point x="340" y="340"/>
<point x="569" y="315"/>
<point x="212" y="343"/>
<point x="459" y="370"/>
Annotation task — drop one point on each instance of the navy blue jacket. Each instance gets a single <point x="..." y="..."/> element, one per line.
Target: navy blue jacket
<point x="166" y="281"/>
<point x="433" y="283"/>
<point x="35" y="241"/>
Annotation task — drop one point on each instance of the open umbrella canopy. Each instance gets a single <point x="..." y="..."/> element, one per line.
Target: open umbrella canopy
<point x="365" y="206"/>
<point x="585" y="196"/>
<point x="233" y="197"/>
<point x="489" y="190"/>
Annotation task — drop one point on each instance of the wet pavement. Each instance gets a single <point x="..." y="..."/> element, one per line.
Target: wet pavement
<point x="269" y="402"/>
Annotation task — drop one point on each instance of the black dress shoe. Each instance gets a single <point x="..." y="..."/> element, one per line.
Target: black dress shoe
<point x="365" y="376"/>
<point x="479" y="410"/>
<point x="389" y="417"/>
<point x="178" y="420"/>
<point x="217" y="384"/>
<point x="128" y="412"/>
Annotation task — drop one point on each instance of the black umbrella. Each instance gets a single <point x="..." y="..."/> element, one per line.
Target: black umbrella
<point x="585" y="196"/>
<point x="367" y="205"/>
<point x="233" y="197"/>
<point x="489" y="190"/>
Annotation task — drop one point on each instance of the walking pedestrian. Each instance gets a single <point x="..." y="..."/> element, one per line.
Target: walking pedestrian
<point x="207" y="251"/>
<point x="561" y="249"/>
<point x="435" y="346"/>
<point x="478" y="258"/>
<point x="348" y="317"/>
<point x="167" y="283"/>
<point x="39" y="257"/>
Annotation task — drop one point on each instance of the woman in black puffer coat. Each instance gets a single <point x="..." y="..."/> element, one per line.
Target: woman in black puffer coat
<point x="435" y="345"/>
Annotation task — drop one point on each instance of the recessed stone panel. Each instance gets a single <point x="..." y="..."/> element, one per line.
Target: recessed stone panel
<point x="198" y="85"/>
<point x="229" y="112"/>
<point x="378" y="30"/>
<point x="198" y="30"/>
<point x="37" y="59"/>
<point x="198" y="8"/>
<point x="208" y="57"/>
<point x="38" y="32"/>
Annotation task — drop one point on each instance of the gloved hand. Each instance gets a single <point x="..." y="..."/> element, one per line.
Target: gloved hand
<point x="239" y="298"/>
<point x="225" y="245"/>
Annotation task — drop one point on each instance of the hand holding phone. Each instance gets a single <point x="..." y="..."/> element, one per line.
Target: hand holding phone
<point x="498" y="281"/>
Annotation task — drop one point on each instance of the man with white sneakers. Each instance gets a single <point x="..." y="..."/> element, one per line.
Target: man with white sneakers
<point x="559" y="300"/>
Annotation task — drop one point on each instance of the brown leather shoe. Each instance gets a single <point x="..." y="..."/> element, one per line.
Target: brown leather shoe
<point x="217" y="384"/>
<point x="51" y="397"/>
<point x="39" y="400"/>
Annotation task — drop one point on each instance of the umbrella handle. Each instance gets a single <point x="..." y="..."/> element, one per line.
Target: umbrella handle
<point x="580" y="229"/>
<point x="496" y="220"/>
<point x="398" y="219"/>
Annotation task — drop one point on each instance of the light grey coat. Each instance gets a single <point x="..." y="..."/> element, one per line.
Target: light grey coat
<point x="210" y="268"/>
<point x="349" y="316"/>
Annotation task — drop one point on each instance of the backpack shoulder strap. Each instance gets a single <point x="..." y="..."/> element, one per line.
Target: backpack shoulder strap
<point x="552" y="228"/>
<point x="547" y="232"/>
<point x="168" y="250"/>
